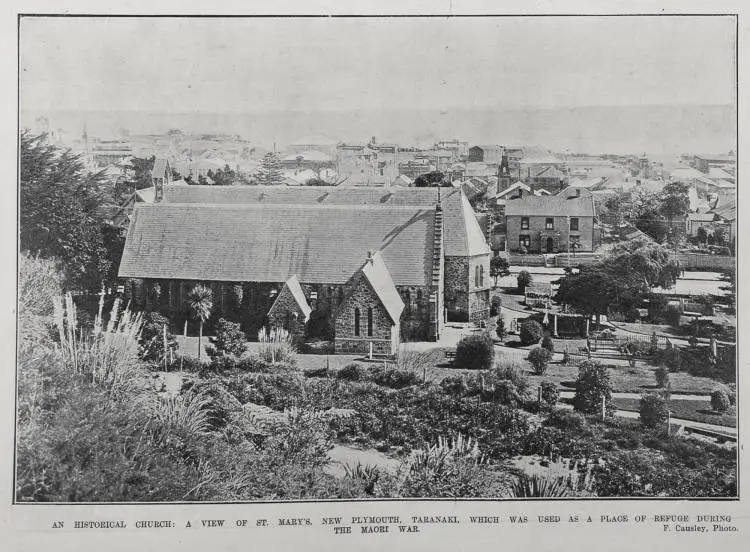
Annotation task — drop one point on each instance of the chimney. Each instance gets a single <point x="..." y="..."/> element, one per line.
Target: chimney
<point x="370" y="255"/>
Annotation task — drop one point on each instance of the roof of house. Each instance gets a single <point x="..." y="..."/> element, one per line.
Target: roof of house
<point x="160" y="167"/>
<point x="377" y="274"/>
<point x="551" y="205"/>
<point x="726" y="207"/>
<point x="701" y="217"/>
<point x="293" y="285"/>
<point x="460" y="227"/>
<point x="547" y="172"/>
<point x="513" y="187"/>
<point x="716" y="172"/>
<point x="269" y="243"/>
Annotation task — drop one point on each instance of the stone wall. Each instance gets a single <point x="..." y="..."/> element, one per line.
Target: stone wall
<point x="457" y="288"/>
<point x="537" y="225"/>
<point x="286" y="313"/>
<point x="384" y="337"/>
<point x="479" y="291"/>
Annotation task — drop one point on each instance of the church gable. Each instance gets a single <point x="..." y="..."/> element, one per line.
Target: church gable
<point x="290" y="309"/>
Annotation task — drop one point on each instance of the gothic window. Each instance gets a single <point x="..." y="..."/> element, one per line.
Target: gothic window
<point x="369" y="322"/>
<point x="476" y="276"/>
<point x="481" y="275"/>
<point x="356" y="322"/>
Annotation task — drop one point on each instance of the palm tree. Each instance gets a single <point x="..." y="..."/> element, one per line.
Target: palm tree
<point x="200" y="301"/>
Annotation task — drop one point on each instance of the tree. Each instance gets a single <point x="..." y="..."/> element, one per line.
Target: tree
<point x="500" y="328"/>
<point x="550" y="393"/>
<point x="499" y="267"/>
<point x="270" y="172"/>
<point x="675" y="202"/>
<point x="142" y="167"/>
<point x="548" y="344"/>
<point x="229" y="339"/>
<point x="653" y="410"/>
<point x="223" y="177"/>
<point x="531" y="332"/>
<point x="524" y="280"/>
<point x="200" y="302"/>
<point x="720" y="401"/>
<point x="539" y="358"/>
<point x="592" y="386"/>
<point x="151" y="341"/>
<point x="647" y="264"/>
<point x="433" y="179"/>
<point x="61" y="213"/>
<point x="702" y="235"/>
<point x="720" y="235"/>
<point x="475" y="352"/>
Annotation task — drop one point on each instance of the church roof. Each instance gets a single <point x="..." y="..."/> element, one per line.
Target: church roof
<point x="376" y="272"/>
<point x="268" y="243"/>
<point x="460" y="226"/>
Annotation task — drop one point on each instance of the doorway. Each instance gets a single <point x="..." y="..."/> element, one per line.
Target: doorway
<point x="550" y="245"/>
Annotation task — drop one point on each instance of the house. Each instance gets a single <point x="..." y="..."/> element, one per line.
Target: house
<point x="258" y="237"/>
<point x="703" y="163"/>
<point x="726" y="212"/>
<point x="546" y="177"/>
<point x="487" y="154"/>
<point x="695" y="221"/>
<point x="551" y="223"/>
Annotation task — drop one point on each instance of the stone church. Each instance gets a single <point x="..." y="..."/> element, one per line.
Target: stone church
<point x="376" y="266"/>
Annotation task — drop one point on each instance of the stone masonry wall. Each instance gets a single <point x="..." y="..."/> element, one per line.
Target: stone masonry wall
<point x="457" y="288"/>
<point x="363" y="297"/>
<point x="286" y="313"/>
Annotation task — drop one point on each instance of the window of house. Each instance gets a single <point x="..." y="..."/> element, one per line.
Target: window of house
<point x="549" y="223"/>
<point x="369" y="322"/>
<point x="524" y="223"/>
<point x="574" y="223"/>
<point x="481" y="275"/>
<point x="524" y="240"/>
<point x="356" y="322"/>
<point x="476" y="276"/>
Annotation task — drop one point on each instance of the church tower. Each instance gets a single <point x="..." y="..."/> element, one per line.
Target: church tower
<point x="503" y="173"/>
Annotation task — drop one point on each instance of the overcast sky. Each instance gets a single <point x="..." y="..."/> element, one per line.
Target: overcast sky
<point x="245" y="65"/>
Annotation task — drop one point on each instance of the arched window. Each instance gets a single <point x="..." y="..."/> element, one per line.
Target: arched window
<point x="369" y="322"/>
<point x="476" y="276"/>
<point x="481" y="275"/>
<point x="356" y="322"/>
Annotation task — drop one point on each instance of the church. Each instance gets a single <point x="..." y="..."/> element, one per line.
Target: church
<point x="375" y="266"/>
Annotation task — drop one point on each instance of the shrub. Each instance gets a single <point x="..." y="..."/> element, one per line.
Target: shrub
<point x="653" y="410"/>
<point x="550" y="393"/>
<point x="475" y="352"/>
<point x="500" y="328"/>
<point x="511" y="370"/>
<point x="633" y="315"/>
<point x="662" y="376"/>
<point x="524" y="279"/>
<point x="592" y="386"/>
<point x="352" y="372"/>
<point x="531" y="332"/>
<point x="317" y="373"/>
<point x="229" y="339"/>
<point x="672" y="315"/>
<point x="393" y="377"/>
<point x="657" y="303"/>
<point x="720" y="400"/>
<point x="276" y="346"/>
<point x="565" y="358"/>
<point x="565" y="420"/>
<point x="539" y="358"/>
<point x="548" y="344"/>
<point x="496" y="304"/>
<point x="454" y="385"/>
<point x="151" y="341"/>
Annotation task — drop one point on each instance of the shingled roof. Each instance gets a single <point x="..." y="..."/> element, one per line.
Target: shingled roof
<point x="463" y="237"/>
<point x="269" y="243"/>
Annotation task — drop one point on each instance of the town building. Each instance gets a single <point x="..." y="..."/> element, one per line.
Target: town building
<point x="426" y="241"/>
<point x="551" y="223"/>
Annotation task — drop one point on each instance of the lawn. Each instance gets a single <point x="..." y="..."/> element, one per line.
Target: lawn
<point x="697" y="411"/>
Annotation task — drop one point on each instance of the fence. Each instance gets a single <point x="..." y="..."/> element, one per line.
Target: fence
<point x="698" y="260"/>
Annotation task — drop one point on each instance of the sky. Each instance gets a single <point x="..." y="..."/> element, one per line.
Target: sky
<point x="308" y="65"/>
